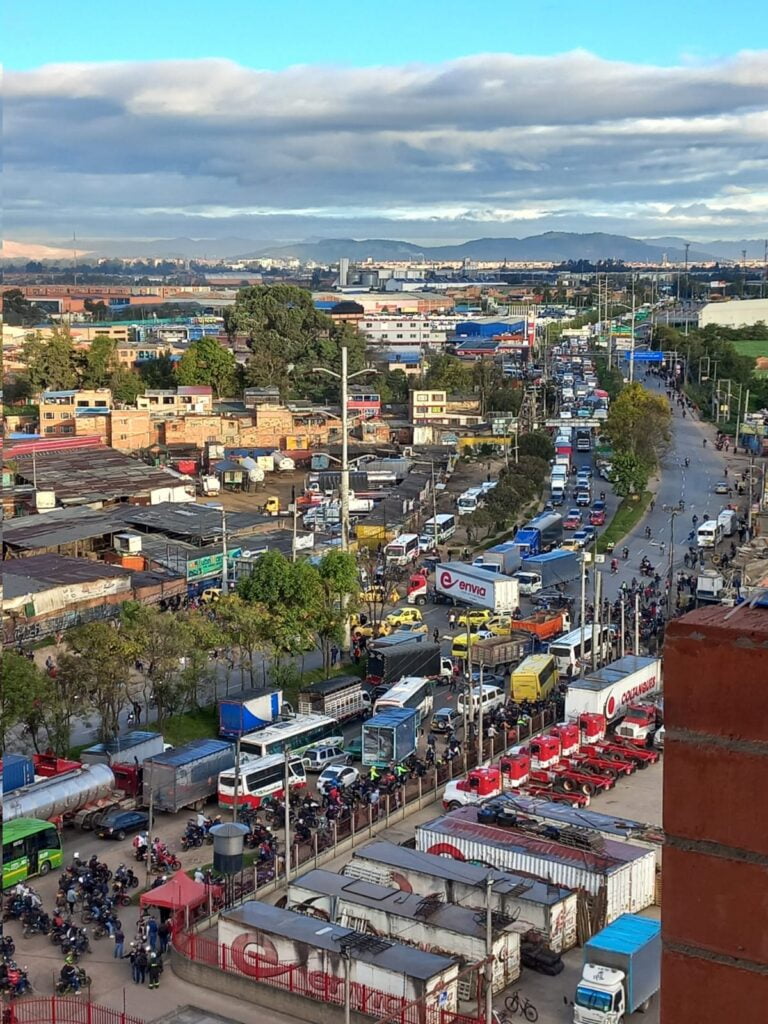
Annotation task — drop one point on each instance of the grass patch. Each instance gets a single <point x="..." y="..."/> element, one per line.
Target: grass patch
<point x="201" y="724"/>
<point x="628" y="515"/>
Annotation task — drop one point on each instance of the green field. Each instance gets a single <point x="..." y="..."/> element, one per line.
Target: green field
<point x="754" y="349"/>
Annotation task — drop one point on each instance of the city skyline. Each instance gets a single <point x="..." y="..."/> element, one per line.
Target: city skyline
<point x="643" y="127"/>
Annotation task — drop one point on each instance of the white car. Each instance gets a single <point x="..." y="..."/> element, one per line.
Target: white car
<point x="340" y="775"/>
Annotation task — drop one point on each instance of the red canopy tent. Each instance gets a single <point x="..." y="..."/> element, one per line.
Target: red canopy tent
<point x="179" y="893"/>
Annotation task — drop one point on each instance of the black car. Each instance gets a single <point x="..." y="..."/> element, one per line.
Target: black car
<point x="551" y="599"/>
<point x="117" y="824"/>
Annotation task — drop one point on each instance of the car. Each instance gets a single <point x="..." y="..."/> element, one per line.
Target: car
<point x="722" y="487"/>
<point x="590" y="531"/>
<point x="403" y="616"/>
<point x="583" y="498"/>
<point x="597" y="517"/>
<point x="369" y="629"/>
<point x="117" y="824"/>
<point x="581" y="537"/>
<point x="474" y="617"/>
<point x="416" y="628"/>
<point x="445" y="720"/>
<point x="354" y="748"/>
<point x="573" y="519"/>
<point x="339" y="775"/>
<point x="500" y="625"/>
<point x="316" y="759"/>
<point x="550" y="599"/>
<point x="570" y="545"/>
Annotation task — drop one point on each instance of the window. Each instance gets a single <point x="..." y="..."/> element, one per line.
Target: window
<point x="50" y="415"/>
<point x="123" y="437"/>
<point x="50" y="430"/>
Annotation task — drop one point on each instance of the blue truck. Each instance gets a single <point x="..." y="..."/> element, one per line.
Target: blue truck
<point x="621" y="972"/>
<point x="248" y="711"/>
<point x="390" y="736"/>
<point x="540" y="572"/>
<point x="540" y="534"/>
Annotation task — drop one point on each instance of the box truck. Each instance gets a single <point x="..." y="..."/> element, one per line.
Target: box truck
<point x="621" y="973"/>
<point x="341" y="697"/>
<point x="248" y="711"/>
<point x="392" y="657"/>
<point x="503" y="558"/>
<point x="552" y="569"/>
<point x="467" y="584"/>
<point x="612" y="689"/>
<point x="187" y="776"/>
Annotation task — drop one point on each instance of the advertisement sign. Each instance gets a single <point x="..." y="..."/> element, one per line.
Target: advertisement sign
<point x="209" y="565"/>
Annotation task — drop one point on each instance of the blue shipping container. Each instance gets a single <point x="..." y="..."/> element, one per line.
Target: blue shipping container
<point x="18" y="771"/>
<point x="390" y="736"/>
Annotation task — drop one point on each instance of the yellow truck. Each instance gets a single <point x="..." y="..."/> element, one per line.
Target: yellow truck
<point x="535" y="678"/>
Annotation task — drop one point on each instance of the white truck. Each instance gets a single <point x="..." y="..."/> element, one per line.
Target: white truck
<point x="470" y="501"/>
<point x="612" y="689"/>
<point x="621" y="972"/>
<point x="466" y="584"/>
<point x="210" y="485"/>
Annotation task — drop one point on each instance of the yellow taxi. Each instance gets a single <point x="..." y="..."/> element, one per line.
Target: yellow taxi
<point x="376" y="594"/>
<point x="412" y="627"/>
<point x="459" y="644"/>
<point x="474" y="617"/>
<point x="403" y="617"/>
<point x="368" y="629"/>
<point x="570" y="545"/>
<point x="500" y="625"/>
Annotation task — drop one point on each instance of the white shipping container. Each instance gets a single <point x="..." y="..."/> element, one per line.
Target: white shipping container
<point x="612" y="689"/>
<point x="469" y="585"/>
<point x="548" y="909"/>
<point x="626" y="873"/>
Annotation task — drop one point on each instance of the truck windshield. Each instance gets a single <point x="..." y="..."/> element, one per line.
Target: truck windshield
<point x="593" y="999"/>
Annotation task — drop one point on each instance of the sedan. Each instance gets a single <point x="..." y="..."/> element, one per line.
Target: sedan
<point x="117" y="824"/>
<point x="474" y="617"/>
<point x="597" y="517"/>
<point x="583" y="498"/>
<point x="590" y="531"/>
<point x="572" y="521"/>
<point x="721" y="487"/>
<point x="339" y="775"/>
<point x="416" y="628"/>
<point x="550" y="599"/>
<point x="581" y="537"/>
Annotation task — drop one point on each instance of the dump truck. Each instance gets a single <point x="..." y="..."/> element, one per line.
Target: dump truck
<point x="392" y="657"/>
<point x="501" y="652"/>
<point x="621" y="972"/>
<point x="545" y="625"/>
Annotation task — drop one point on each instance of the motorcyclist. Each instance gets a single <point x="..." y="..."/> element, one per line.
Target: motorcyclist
<point x="648" y="532"/>
<point x="704" y="443"/>
<point x="614" y="565"/>
<point x="69" y="975"/>
<point x="687" y="462"/>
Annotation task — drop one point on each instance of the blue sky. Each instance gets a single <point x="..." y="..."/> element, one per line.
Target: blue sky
<point x="427" y="121"/>
<point x="273" y="35"/>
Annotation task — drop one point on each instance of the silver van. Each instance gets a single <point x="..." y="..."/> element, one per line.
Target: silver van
<point x="445" y="720"/>
<point x="319" y="757"/>
<point x="491" y="696"/>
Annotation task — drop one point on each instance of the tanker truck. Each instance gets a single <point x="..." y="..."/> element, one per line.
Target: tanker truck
<point x="80" y="796"/>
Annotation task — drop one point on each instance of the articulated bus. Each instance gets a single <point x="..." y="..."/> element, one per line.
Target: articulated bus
<point x="30" y="847"/>
<point x="260" y="778"/>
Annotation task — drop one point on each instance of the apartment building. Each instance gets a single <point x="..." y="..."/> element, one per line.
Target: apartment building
<point x="431" y="407"/>
<point x="76" y="413"/>
<point x="177" y="401"/>
<point x="404" y="332"/>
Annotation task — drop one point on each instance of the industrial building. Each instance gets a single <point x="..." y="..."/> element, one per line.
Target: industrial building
<point x="734" y="313"/>
<point x="714" y="932"/>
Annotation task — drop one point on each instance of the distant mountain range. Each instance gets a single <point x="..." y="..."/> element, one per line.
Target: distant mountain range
<point x="552" y="246"/>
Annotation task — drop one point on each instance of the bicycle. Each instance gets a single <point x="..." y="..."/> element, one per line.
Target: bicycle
<point x="516" y="1003"/>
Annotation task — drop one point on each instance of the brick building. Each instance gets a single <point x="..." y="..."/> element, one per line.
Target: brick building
<point x="76" y="413"/>
<point x="715" y="901"/>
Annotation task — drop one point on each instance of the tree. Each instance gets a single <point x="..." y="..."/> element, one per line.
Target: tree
<point x="38" y="701"/>
<point x="18" y="390"/>
<point x="393" y="387"/>
<point x="100" y="362"/>
<point x="638" y="424"/>
<point x="337" y="596"/>
<point x="157" y="642"/>
<point x="287" y="595"/>
<point x="52" y="363"/>
<point x="159" y="372"/>
<point x="629" y="474"/>
<point x="245" y="627"/>
<point x="207" y="362"/>
<point x="538" y="444"/>
<point x="449" y="374"/>
<point x="96" y="667"/>
<point x="19" y="311"/>
<point x="126" y="385"/>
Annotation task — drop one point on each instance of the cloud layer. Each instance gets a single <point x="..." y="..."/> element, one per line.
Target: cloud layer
<point x="489" y="144"/>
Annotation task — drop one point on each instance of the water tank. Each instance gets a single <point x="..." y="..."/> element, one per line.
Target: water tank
<point x="228" y="847"/>
<point x="60" y="795"/>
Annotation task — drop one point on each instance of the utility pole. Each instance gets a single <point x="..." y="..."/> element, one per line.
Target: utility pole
<point x="488" y="950"/>
<point x="637" y="624"/>
<point x="583" y="610"/>
<point x="287" y="800"/>
<point x="224" y="566"/>
<point x="237" y="779"/>
<point x="480" y="722"/>
<point x="632" y="341"/>
<point x="623" y="627"/>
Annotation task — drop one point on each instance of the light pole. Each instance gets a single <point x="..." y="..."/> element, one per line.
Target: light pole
<point x="344" y="377"/>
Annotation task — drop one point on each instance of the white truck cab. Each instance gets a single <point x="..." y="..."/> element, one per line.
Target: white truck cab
<point x="599" y="996"/>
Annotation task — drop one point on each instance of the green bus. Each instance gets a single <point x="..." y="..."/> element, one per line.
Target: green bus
<point x="30" y="847"/>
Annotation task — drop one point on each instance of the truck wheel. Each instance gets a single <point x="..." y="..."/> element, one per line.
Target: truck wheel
<point x="568" y="786"/>
<point x="454" y="805"/>
<point x="587" y="789"/>
<point x="644" y="1006"/>
<point x="421" y="600"/>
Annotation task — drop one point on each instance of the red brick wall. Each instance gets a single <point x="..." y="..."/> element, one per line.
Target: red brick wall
<point x="715" y="917"/>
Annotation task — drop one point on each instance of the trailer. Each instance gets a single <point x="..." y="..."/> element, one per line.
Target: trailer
<point x="132" y="747"/>
<point x="502" y="652"/>
<point x="464" y="583"/>
<point x="16" y="771"/>
<point x="390" y="736"/>
<point x="545" y="625"/>
<point x="548" y="909"/>
<point x="390" y="658"/>
<point x="341" y="697"/>
<point x="248" y="711"/>
<point x="612" y="689"/>
<point x="621" y="875"/>
<point x="62" y="794"/>
<point x="504" y="558"/>
<point x="553" y="568"/>
<point x="187" y="776"/>
<point x="414" y="919"/>
<point x="621" y="972"/>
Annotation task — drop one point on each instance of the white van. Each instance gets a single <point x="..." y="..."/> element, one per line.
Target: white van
<point x="709" y="534"/>
<point x="492" y="697"/>
<point x="728" y="519"/>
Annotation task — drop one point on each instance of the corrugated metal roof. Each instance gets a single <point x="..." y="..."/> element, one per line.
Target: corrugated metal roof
<point x="319" y="934"/>
<point x="612" y="673"/>
<point x="193" y="751"/>
<point x="578" y="816"/>
<point x="44" y="572"/>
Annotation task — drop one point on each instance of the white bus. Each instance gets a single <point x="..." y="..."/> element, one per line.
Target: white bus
<point x="259" y="778"/>
<point x="295" y="733"/>
<point x="441" y="527"/>
<point x="709" y="533"/>
<point x="402" y="549"/>
<point x="567" y="650"/>
<point x="469" y="501"/>
<point x="410" y="692"/>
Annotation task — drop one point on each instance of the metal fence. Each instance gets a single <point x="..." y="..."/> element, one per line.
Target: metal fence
<point x="311" y="984"/>
<point x="60" y="1010"/>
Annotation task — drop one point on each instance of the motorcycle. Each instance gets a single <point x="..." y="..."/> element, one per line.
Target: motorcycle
<point x="15" y="981"/>
<point x="63" y="988"/>
<point x="36" y="924"/>
<point x="7" y="947"/>
<point x="614" y="566"/>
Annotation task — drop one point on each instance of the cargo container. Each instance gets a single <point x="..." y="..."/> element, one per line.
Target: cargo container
<point x="501" y="652"/>
<point x="447" y="929"/>
<point x="61" y="794"/>
<point x="187" y="776"/>
<point x="554" y="568"/>
<point x="263" y="939"/>
<point x="341" y="697"/>
<point x="546" y="908"/>
<point x="504" y="558"/>
<point x="390" y="736"/>
<point x="622" y="874"/>
<point x="620" y="830"/>
<point x="17" y="771"/>
<point x="248" y="711"/>
<point x="131" y="748"/>
<point x="540" y="534"/>
<point x="392" y="657"/>
<point x="621" y="973"/>
<point x="612" y="689"/>
<point x="465" y="584"/>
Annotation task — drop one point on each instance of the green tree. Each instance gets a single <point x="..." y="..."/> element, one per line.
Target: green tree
<point x="207" y="362"/>
<point x="629" y="475"/>
<point x="393" y="387"/>
<point x="449" y="374"/>
<point x="19" y="311"/>
<point x="638" y="424"/>
<point x="158" y="642"/>
<point x="52" y="363"/>
<point x="159" y="372"/>
<point x="287" y="592"/>
<point x="337" y="596"/>
<point x="26" y="692"/>
<point x="96" y="666"/>
<point x="126" y="385"/>
<point x="100" y="363"/>
<point x="246" y="629"/>
<point x="537" y="444"/>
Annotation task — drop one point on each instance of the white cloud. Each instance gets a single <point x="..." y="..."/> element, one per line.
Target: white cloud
<point x="569" y="141"/>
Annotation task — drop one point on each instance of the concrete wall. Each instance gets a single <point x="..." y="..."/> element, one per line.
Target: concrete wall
<point x="715" y="959"/>
<point x="741" y="313"/>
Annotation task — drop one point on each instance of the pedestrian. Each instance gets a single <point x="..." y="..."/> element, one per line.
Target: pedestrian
<point x="334" y="654"/>
<point x="436" y="635"/>
<point x="133" y="959"/>
<point x="137" y="712"/>
<point x="164" y="935"/>
<point x="119" y="942"/>
<point x="452" y="620"/>
<point x="155" y="967"/>
<point x="356" y="654"/>
<point x="199" y="876"/>
<point x="71" y="899"/>
<point x="142" y="962"/>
